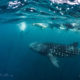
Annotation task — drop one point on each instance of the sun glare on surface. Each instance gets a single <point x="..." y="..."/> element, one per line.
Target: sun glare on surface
<point x="22" y="26"/>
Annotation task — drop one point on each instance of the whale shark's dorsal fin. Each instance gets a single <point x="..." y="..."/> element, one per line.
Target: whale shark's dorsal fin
<point x="75" y="44"/>
<point x="53" y="60"/>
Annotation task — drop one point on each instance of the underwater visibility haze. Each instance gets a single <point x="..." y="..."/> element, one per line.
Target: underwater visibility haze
<point x="39" y="39"/>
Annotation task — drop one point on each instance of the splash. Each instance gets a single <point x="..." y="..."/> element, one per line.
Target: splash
<point x="71" y="2"/>
<point x="49" y="12"/>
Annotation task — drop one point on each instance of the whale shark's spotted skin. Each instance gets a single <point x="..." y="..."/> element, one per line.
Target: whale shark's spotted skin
<point x="59" y="50"/>
<point x="53" y="50"/>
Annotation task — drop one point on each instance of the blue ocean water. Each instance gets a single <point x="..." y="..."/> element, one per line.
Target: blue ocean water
<point x="20" y="25"/>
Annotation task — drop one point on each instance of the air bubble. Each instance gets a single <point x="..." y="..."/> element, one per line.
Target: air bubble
<point x="5" y="75"/>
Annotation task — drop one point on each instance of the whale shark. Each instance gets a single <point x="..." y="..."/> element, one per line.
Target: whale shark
<point x="55" y="50"/>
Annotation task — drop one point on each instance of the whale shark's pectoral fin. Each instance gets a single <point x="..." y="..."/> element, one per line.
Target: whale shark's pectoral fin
<point x="53" y="60"/>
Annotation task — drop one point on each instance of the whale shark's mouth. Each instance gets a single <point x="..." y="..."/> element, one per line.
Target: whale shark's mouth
<point x="39" y="47"/>
<point x="32" y="45"/>
<point x="35" y="46"/>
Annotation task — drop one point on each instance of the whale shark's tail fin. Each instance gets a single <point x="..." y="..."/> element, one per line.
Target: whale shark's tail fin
<point x="53" y="60"/>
